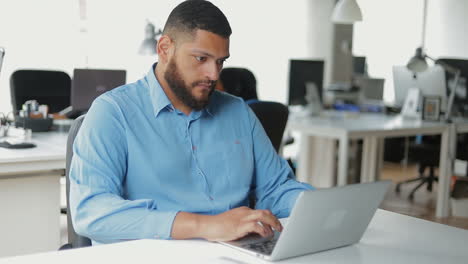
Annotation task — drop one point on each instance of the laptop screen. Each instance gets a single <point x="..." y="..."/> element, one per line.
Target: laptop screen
<point x="88" y="84"/>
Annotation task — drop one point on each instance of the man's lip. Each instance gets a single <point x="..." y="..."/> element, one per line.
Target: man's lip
<point x="205" y="86"/>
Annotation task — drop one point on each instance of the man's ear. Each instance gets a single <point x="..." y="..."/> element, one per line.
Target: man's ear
<point x="164" y="48"/>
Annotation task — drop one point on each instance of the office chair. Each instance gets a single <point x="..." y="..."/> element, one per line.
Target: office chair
<point x="74" y="240"/>
<point x="51" y="88"/>
<point x="426" y="154"/>
<point x="273" y="117"/>
<point x="240" y="82"/>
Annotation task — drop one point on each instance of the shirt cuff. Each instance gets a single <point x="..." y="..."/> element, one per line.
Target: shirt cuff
<point x="159" y="224"/>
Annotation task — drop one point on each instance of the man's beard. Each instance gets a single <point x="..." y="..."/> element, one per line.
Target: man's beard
<point x="182" y="91"/>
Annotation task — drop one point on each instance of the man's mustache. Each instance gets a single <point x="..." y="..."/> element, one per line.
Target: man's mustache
<point x="212" y="84"/>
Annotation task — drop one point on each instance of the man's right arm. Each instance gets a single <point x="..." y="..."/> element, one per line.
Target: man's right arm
<point x="99" y="210"/>
<point x="97" y="173"/>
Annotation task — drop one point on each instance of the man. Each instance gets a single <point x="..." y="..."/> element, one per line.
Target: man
<point x="169" y="157"/>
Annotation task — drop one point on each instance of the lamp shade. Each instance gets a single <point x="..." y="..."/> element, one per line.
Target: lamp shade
<point x="346" y="12"/>
<point x="148" y="46"/>
<point x="418" y="62"/>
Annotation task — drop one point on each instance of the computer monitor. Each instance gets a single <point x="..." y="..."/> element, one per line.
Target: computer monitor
<point x="300" y="73"/>
<point x="372" y="89"/>
<point x="359" y="65"/>
<point x="88" y="84"/>
<point x="431" y="83"/>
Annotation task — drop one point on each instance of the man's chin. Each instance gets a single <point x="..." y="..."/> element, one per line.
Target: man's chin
<point x="200" y="102"/>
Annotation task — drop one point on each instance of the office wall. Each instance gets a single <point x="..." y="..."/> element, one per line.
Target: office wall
<point x="387" y="36"/>
<point x="447" y="25"/>
<point x="391" y="31"/>
<point x="265" y="35"/>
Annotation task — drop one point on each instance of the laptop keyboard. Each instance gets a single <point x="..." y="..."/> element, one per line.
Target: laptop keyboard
<point x="264" y="247"/>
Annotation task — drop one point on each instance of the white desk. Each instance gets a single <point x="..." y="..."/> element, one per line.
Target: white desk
<point x="390" y="238"/>
<point x="372" y="128"/>
<point x="30" y="195"/>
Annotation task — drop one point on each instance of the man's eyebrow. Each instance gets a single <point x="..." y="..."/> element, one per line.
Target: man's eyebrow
<point x="208" y="54"/>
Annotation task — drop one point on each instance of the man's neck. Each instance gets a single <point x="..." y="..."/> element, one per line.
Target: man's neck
<point x="159" y="73"/>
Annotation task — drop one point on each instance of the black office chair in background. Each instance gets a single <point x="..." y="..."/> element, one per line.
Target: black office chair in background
<point x="426" y="154"/>
<point x="240" y="82"/>
<point x="51" y="88"/>
<point x="74" y="240"/>
<point x="273" y="116"/>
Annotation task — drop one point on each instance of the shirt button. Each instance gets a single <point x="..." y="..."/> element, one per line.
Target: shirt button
<point x="211" y="198"/>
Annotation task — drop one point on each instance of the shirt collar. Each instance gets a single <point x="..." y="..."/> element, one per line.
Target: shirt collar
<point x="159" y="98"/>
<point x="157" y="95"/>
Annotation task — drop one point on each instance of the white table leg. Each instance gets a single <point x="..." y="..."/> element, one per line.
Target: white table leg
<point x="369" y="159"/>
<point x="343" y="160"/>
<point x="316" y="161"/>
<point x="380" y="157"/>
<point x="365" y="159"/>
<point x="445" y="171"/>
<point x="369" y="164"/>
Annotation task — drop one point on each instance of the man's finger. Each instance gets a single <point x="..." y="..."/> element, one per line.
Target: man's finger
<point x="254" y="227"/>
<point x="268" y="229"/>
<point x="266" y="217"/>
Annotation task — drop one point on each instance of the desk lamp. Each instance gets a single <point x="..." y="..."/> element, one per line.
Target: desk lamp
<point x="148" y="46"/>
<point x="418" y="64"/>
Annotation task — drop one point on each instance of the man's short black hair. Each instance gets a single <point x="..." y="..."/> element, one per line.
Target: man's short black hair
<point x="191" y="15"/>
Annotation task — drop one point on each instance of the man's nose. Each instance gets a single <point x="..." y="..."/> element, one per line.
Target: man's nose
<point x="212" y="71"/>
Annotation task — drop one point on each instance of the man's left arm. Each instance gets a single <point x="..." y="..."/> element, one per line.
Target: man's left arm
<point x="275" y="187"/>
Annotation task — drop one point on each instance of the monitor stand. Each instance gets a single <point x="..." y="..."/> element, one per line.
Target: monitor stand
<point x="314" y="102"/>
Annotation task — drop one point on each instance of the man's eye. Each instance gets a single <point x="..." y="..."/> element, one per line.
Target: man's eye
<point x="200" y="58"/>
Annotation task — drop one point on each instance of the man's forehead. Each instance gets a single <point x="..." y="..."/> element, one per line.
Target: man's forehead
<point x="208" y="43"/>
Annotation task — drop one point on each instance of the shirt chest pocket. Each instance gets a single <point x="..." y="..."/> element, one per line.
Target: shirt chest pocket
<point x="230" y="161"/>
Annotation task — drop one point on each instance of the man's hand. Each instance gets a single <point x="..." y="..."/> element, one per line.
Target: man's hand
<point x="226" y="226"/>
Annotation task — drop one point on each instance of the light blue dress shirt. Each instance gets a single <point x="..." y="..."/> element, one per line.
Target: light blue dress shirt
<point x="138" y="162"/>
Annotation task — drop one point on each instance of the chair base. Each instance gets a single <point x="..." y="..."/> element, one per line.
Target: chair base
<point x="423" y="180"/>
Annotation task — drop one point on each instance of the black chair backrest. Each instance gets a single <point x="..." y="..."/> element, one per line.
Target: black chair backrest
<point x="74" y="239"/>
<point x="273" y="117"/>
<point x="51" y="88"/>
<point x="239" y="82"/>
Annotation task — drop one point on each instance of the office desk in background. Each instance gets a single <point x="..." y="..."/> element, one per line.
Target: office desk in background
<point x="390" y="238"/>
<point x="372" y="129"/>
<point x="30" y="195"/>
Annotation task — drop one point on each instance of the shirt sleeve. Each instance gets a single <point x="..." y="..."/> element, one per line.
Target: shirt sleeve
<point x="275" y="187"/>
<point x="97" y="174"/>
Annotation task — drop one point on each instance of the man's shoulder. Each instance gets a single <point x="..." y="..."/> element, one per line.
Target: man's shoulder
<point x="125" y="92"/>
<point x="125" y="96"/>
<point x="222" y="99"/>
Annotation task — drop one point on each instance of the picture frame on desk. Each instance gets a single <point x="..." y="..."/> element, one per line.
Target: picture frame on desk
<point x="431" y="108"/>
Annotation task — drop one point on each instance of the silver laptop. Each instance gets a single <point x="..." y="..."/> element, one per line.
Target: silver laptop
<point x="320" y="220"/>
